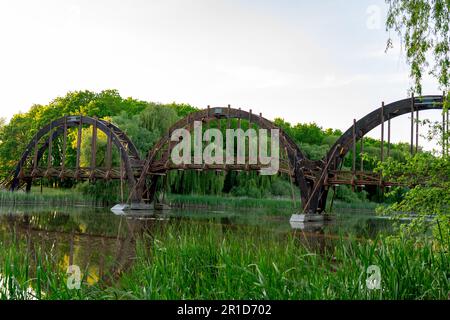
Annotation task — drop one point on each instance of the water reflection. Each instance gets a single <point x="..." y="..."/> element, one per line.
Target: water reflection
<point x="103" y="244"/>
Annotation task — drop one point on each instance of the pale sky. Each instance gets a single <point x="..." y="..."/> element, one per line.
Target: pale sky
<point x="305" y="61"/>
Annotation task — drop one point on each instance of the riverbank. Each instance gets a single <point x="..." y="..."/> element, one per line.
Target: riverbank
<point x="70" y="197"/>
<point x="51" y="197"/>
<point x="204" y="261"/>
<point x="223" y="202"/>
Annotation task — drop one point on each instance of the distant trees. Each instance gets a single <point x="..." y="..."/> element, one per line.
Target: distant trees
<point x="423" y="28"/>
<point x="145" y="123"/>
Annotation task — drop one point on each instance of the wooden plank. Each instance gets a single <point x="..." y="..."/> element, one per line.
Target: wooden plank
<point x="412" y="123"/>
<point x="63" y="160"/>
<point x="382" y="132"/>
<point x="50" y="148"/>
<point x="79" y="138"/>
<point x="94" y="145"/>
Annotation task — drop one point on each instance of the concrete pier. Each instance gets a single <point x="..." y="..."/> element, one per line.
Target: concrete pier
<point x="310" y="217"/>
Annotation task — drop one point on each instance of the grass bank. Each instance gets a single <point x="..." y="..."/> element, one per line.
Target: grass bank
<point x="205" y="262"/>
<point x="224" y="202"/>
<point x="52" y="197"/>
<point x="69" y="197"/>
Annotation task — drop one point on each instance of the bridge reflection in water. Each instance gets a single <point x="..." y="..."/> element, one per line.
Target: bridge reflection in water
<point x="103" y="245"/>
<point x="313" y="178"/>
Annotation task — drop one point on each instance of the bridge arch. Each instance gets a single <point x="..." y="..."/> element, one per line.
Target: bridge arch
<point x="355" y="133"/>
<point x="297" y="160"/>
<point x="312" y="177"/>
<point x="43" y="141"/>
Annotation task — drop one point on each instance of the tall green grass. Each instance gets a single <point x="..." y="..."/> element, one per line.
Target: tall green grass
<point x="50" y="197"/>
<point x="208" y="202"/>
<point x="205" y="263"/>
<point x="58" y="197"/>
<point x="36" y="276"/>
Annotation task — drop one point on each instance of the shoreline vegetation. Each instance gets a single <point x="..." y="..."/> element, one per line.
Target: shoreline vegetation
<point x="216" y="261"/>
<point x="185" y="260"/>
<point x="70" y="197"/>
<point x="145" y="123"/>
<point x="205" y="262"/>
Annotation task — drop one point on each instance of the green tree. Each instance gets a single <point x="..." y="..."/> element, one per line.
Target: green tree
<point x="429" y="199"/>
<point x="142" y="138"/>
<point x="423" y="28"/>
<point x="158" y="118"/>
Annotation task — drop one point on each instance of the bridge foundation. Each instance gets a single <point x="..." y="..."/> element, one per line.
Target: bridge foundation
<point x="308" y="217"/>
<point x="141" y="206"/>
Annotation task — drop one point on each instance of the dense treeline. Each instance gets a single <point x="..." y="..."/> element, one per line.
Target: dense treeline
<point x="145" y="123"/>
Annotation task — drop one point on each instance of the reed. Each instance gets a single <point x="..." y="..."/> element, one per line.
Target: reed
<point x="205" y="263"/>
<point x="36" y="277"/>
<point x="188" y="260"/>
<point x="208" y="202"/>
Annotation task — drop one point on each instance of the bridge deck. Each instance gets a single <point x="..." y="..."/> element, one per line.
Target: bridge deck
<point x="335" y="178"/>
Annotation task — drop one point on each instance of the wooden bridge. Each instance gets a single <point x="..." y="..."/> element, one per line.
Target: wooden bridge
<point x="313" y="178"/>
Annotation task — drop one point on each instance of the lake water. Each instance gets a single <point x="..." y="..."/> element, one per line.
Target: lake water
<point x="101" y="242"/>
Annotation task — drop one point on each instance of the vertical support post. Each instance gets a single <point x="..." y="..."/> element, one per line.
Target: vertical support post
<point x="446" y="134"/>
<point x="354" y="155"/>
<point x="166" y="187"/>
<point x="239" y="119"/>
<point x="249" y="128"/>
<point x="94" y="148"/>
<point x="29" y="185"/>
<point x="72" y="247"/>
<point x="80" y="136"/>
<point x="208" y="127"/>
<point x="445" y="129"/>
<point x="109" y="153"/>
<point x="209" y="124"/>
<point x="35" y="159"/>
<point x="444" y="151"/>
<point x="417" y="130"/>
<point x="354" y="147"/>
<point x="362" y="152"/>
<point x="50" y="148"/>
<point x="443" y="134"/>
<point x="389" y="136"/>
<point x="63" y="160"/>
<point x="209" y="114"/>
<point x="258" y="142"/>
<point x="382" y="132"/>
<point x="412" y="123"/>
<point x="121" y="178"/>
<point x="290" y="179"/>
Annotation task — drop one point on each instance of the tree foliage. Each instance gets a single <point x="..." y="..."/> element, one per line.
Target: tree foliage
<point x="145" y="123"/>
<point x="423" y="27"/>
<point x="429" y="197"/>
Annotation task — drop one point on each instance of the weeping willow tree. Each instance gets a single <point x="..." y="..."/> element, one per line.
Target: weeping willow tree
<point x="423" y="28"/>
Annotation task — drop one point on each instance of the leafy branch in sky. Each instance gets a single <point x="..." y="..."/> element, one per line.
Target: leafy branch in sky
<point x="423" y="28"/>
